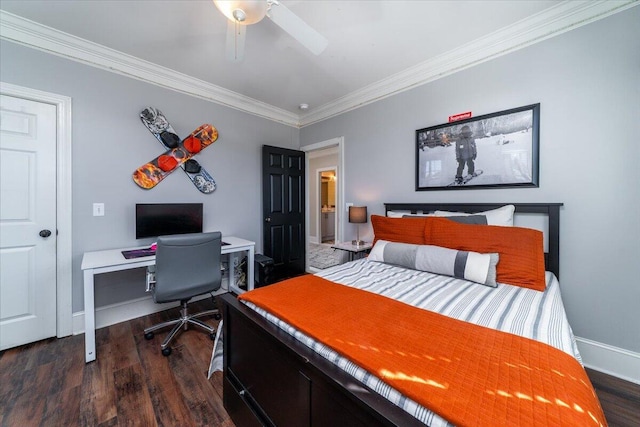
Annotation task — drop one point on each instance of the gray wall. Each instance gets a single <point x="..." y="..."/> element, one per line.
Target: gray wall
<point x="587" y="82"/>
<point x="109" y="143"/>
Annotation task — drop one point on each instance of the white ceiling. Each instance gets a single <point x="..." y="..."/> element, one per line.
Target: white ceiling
<point x="376" y="48"/>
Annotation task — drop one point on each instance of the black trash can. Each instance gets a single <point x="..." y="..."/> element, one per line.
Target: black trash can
<point x="263" y="270"/>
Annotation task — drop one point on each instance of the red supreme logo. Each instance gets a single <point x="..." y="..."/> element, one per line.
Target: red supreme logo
<point x="460" y="116"/>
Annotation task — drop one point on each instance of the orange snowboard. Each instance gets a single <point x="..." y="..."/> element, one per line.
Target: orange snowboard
<point x="149" y="175"/>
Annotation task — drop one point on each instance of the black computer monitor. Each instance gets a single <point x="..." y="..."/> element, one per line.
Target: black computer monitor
<point x="161" y="219"/>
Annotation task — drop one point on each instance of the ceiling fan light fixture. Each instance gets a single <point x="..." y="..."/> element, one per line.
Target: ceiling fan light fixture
<point x="239" y="15"/>
<point x="244" y="12"/>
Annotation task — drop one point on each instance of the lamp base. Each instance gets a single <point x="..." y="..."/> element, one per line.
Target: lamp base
<point x="357" y="242"/>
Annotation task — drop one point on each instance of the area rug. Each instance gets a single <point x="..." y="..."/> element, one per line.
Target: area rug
<point x="321" y="256"/>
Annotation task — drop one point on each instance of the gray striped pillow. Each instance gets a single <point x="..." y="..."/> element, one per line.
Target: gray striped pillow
<point x="472" y="266"/>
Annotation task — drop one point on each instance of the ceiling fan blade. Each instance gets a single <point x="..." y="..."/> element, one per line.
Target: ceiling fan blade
<point x="297" y="28"/>
<point x="235" y="41"/>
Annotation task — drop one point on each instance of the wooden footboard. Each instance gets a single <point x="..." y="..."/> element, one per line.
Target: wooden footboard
<point x="271" y="379"/>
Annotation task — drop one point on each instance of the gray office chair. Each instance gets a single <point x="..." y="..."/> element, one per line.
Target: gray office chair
<point x="187" y="265"/>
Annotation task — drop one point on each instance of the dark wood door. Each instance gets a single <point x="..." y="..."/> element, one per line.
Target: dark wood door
<point x="283" y="201"/>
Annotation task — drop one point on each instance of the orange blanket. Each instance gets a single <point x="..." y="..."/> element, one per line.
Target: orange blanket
<point x="468" y="374"/>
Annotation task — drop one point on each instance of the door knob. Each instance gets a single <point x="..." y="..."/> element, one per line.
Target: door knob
<point x="267" y="219"/>
<point x="45" y="233"/>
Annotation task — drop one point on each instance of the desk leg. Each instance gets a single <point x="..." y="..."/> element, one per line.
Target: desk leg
<point x="250" y="269"/>
<point x="89" y="318"/>
<point x="232" y="271"/>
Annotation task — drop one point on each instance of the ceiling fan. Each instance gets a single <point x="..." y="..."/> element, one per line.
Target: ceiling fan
<point x="242" y="13"/>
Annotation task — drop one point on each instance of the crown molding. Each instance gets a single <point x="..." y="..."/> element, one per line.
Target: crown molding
<point x="32" y="34"/>
<point x="563" y="17"/>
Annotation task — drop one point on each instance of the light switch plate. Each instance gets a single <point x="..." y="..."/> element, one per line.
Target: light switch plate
<point x="98" y="209"/>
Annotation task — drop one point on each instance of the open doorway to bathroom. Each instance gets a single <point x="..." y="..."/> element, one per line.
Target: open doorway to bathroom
<point x="327" y="203"/>
<point x="325" y="186"/>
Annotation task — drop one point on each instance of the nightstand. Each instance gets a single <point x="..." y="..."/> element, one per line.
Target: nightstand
<point x="355" y="251"/>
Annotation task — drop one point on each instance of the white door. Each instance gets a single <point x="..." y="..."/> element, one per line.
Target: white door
<point x="27" y="215"/>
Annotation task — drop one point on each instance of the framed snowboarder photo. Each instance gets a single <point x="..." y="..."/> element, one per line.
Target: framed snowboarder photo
<point x="491" y="151"/>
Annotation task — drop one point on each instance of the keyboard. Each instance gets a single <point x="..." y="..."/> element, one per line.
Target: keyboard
<point x="139" y="253"/>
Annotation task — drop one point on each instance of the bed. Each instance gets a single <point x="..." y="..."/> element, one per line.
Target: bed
<point x="277" y="374"/>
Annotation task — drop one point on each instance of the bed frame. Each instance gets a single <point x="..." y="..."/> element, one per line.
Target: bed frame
<point x="270" y="379"/>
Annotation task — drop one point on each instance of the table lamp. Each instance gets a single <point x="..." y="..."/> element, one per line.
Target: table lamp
<point x="357" y="215"/>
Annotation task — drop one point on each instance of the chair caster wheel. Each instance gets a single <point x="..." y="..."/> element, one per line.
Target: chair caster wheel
<point x="217" y="316"/>
<point x="148" y="336"/>
<point x="166" y="351"/>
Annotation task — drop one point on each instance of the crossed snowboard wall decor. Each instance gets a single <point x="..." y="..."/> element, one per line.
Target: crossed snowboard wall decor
<point x="179" y="153"/>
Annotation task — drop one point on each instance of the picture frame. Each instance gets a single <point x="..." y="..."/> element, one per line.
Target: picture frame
<point x="491" y="151"/>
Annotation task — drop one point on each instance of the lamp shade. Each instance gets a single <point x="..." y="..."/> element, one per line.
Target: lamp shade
<point x="358" y="214"/>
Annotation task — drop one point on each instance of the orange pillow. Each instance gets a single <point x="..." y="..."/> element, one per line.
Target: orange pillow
<point x="400" y="230"/>
<point x="521" y="249"/>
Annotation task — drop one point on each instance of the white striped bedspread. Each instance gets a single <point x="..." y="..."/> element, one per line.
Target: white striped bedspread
<point x="521" y="311"/>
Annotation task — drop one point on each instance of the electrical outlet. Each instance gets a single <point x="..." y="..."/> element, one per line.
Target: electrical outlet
<point x="98" y="209"/>
<point x="348" y="206"/>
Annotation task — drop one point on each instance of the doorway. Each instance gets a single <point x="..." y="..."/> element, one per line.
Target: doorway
<point x="17" y="103"/>
<point x="326" y="226"/>
<point x="324" y="159"/>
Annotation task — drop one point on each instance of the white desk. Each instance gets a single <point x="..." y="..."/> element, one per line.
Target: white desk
<point x="99" y="262"/>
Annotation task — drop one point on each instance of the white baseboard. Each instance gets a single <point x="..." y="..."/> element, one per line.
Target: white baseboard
<point x="611" y="360"/>
<point x="121" y="312"/>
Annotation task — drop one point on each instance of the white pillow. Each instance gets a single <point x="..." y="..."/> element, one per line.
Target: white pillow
<point x="501" y="216"/>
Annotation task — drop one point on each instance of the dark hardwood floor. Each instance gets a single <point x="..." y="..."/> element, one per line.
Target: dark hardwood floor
<point x="47" y="383"/>
<point x="620" y="399"/>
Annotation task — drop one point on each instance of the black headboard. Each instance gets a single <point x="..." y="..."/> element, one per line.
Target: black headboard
<point x="552" y="210"/>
